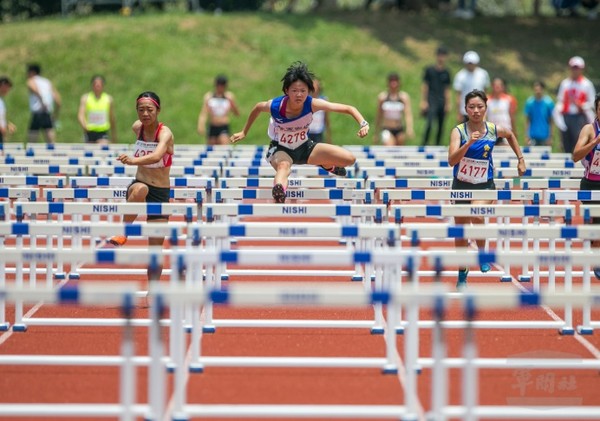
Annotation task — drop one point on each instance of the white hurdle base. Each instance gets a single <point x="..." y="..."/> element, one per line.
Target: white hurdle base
<point x="526" y="412"/>
<point x="293" y="362"/>
<point x="296" y="411"/>
<point x="70" y="410"/>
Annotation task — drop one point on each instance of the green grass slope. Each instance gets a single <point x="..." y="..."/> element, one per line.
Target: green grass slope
<point x="177" y="55"/>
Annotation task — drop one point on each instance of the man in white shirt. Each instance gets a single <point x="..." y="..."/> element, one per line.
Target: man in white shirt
<point x="574" y="104"/>
<point x="6" y="127"/>
<point x="467" y="79"/>
<point x="44" y="103"/>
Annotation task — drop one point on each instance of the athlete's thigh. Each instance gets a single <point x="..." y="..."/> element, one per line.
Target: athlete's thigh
<point x="279" y="157"/>
<point x="324" y="152"/>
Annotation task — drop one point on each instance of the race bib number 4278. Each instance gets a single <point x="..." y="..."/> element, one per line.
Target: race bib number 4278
<point x="290" y="139"/>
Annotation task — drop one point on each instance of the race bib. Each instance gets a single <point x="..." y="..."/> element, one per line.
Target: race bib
<point x="474" y="171"/>
<point x="146" y="148"/>
<point x="97" y="118"/>
<point x="293" y="139"/>
<point x="595" y="164"/>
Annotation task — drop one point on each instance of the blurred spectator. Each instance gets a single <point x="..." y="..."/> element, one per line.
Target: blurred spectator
<point x="44" y="104"/>
<point x="216" y="107"/>
<point x="96" y="114"/>
<point x="394" y="115"/>
<point x="319" y="129"/>
<point x="465" y="12"/>
<point x="538" y="113"/>
<point x="466" y="80"/>
<point x="501" y="107"/>
<point x="6" y="127"/>
<point x="574" y="104"/>
<point x="435" y="95"/>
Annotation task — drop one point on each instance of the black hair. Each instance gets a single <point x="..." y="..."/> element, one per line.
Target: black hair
<point x="501" y="79"/>
<point x="4" y="80"/>
<point x="476" y="93"/>
<point x="541" y="83"/>
<point x="98" y="77"/>
<point x="221" y="80"/>
<point x="298" y="71"/>
<point x="150" y="95"/>
<point x="596" y="101"/>
<point x="35" y="68"/>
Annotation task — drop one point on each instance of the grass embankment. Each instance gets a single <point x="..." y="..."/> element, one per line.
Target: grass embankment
<point x="177" y="55"/>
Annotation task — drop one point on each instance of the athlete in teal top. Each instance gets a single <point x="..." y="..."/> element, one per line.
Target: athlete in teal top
<point x="470" y="153"/>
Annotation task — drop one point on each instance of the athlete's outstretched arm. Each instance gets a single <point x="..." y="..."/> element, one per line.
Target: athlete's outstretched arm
<point x="260" y="107"/>
<point x="321" y="104"/>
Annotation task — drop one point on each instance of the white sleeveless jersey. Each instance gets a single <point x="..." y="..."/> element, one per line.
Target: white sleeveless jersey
<point x="45" y="89"/>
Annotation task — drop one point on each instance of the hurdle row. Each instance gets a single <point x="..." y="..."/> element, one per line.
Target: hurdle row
<point x="222" y="160"/>
<point x="309" y="296"/>
<point x="267" y="171"/>
<point x="34" y="148"/>
<point x="366" y="196"/>
<point x="294" y="182"/>
<point x="327" y="258"/>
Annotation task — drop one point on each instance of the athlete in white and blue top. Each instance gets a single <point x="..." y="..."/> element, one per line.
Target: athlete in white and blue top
<point x="470" y="153"/>
<point x="291" y="115"/>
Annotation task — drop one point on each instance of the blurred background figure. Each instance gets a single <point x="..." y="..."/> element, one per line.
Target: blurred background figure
<point x="394" y="121"/>
<point x="574" y="104"/>
<point x="320" y="129"/>
<point x="6" y="127"/>
<point x="538" y="116"/>
<point x="217" y="106"/>
<point x="465" y="11"/>
<point x="467" y="79"/>
<point x="96" y="114"/>
<point x="44" y="104"/>
<point x="435" y="95"/>
<point x="502" y="107"/>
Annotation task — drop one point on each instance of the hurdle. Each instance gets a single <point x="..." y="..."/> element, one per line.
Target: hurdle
<point x="293" y="182"/>
<point x="130" y="170"/>
<point x="424" y="183"/>
<point x="552" y="183"/>
<point x="41" y="169"/>
<point x="355" y="196"/>
<point x="28" y="180"/>
<point x="50" y="160"/>
<point x="297" y="171"/>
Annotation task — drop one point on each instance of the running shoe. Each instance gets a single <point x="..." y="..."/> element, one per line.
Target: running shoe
<point x="462" y="279"/>
<point x="339" y="171"/>
<point x="118" y="240"/>
<point x="278" y="193"/>
<point x="597" y="273"/>
<point x="485" y="267"/>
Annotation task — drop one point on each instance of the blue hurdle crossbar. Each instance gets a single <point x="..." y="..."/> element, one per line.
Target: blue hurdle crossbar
<point x="104" y="208"/>
<point x="267" y="182"/>
<point x="294" y="193"/>
<point x="30" y="169"/>
<point x="412" y="194"/>
<point x="296" y="210"/>
<point x="32" y="180"/>
<point x="491" y="210"/>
